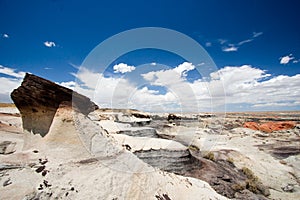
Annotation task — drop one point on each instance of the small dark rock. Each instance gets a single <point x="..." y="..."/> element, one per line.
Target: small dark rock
<point x="46" y="183"/>
<point x="44" y="173"/>
<point x="41" y="187"/>
<point x="163" y="197"/>
<point x="127" y="147"/>
<point x="35" y="151"/>
<point x="7" y="182"/>
<point x="43" y="162"/>
<point x="288" y="188"/>
<point x="172" y="117"/>
<point x="40" y="169"/>
<point x="226" y="178"/>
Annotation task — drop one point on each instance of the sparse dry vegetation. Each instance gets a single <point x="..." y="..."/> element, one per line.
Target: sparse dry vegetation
<point x="7" y="105"/>
<point x="249" y="173"/>
<point x="230" y="160"/>
<point x="193" y="148"/>
<point x="210" y="156"/>
<point x="238" y="187"/>
<point x="252" y="182"/>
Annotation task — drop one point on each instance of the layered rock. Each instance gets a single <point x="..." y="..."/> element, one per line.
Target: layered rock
<point x="77" y="159"/>
<point x="270" y="126"/>
<point x="38" y="99"/>
<point x="7" y="147"/>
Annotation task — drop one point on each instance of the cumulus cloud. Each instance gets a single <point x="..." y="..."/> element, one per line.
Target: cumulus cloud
<point x="70" y="84"/>
<point x="11" y="72"/>
<point x="183" y="68"/>
<point x="123" y="68"/>
<point x="117" y="92"/>
<point x="254" y="86"/>
<point x="10" y="81"/>
<point x="236" y="84"/>
<point x="286" y="59"/>
<point x="49" y="44"/>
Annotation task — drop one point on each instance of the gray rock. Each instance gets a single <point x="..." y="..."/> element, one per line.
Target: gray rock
<point x="246" y="194"/>
<point x="288" y="188"/>
<point x="7" y="147"/>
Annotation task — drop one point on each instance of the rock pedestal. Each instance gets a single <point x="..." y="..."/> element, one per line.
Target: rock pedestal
<point x="38" y="99"/>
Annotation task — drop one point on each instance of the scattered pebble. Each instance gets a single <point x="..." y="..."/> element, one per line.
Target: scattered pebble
<point x="288" y="188"/>
<point x="7" y="182"/>
<point x="40" y="169"/>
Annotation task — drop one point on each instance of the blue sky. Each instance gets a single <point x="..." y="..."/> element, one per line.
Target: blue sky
<point x="52" y="38"/>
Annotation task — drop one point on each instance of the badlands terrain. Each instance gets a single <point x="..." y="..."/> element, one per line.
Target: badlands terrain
<point x="57" y="144"/>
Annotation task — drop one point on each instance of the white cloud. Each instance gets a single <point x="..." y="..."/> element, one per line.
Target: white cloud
<point x="229" y="49"/>
<point x="265" y="105"/>
<point x="256" y="34"/>
<point x="235" y="47"/>
<point x="296" y="61"/>
<point x="123" y="68"/>
<point x="5" y="35"/>
<point x="118" y="92"/>
<point x="248" y="85"/>
<point x="11" y="72"/>
<point x="71" y="84"/>
<point x="7" y="84"/>
<point x="286" y="59"/>
<point x="245" y="41"/>
<point x="222" y="41"/>
<point x="208" y="44"/>
<point x="241" y="85"/>
<point x="183" y="68"/>
<point x="49" y="44"/>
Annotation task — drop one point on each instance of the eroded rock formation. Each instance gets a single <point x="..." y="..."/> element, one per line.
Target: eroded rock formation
<point x="38" y="99"/>
<point x="270" y="126"/>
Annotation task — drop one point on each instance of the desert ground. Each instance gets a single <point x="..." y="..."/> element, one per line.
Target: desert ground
<point x="130" y="154"/>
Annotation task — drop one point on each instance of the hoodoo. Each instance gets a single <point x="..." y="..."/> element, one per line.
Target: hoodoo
<point x="38" y="99"/>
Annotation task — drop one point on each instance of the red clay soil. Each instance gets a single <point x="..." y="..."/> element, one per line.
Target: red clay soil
<point x="270" y="126"/>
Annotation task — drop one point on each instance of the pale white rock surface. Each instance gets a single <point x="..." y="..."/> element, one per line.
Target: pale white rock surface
<point x="113" y="127"/>
<point x="144" y="143"/>
<point x="80" y="161"/>
<point x="11" y="110"/>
